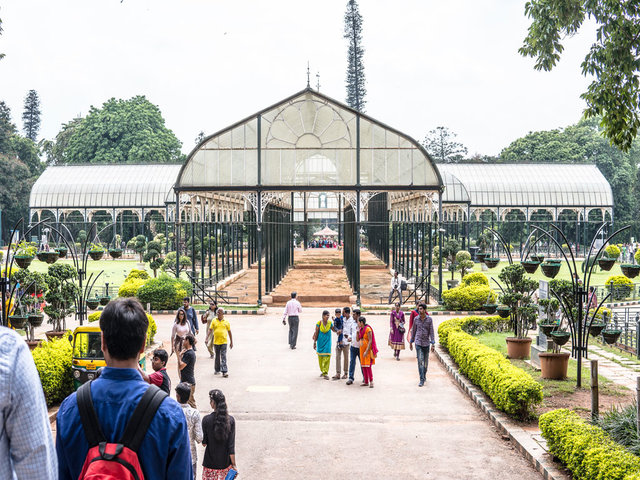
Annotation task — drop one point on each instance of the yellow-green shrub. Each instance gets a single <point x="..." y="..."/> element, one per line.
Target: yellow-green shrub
<point x="475" y="278"/>
<point x="130" y="287"/>
<point x="586" y="450"/>
<point x="468" y="297"/>
<point x="512" y="389"/>
<point x="151" y="330"/>
<point x="138" y="273"/>
<point x="53" y="362"/>
<point x="622" y="286"/>
<point x="612" y="251"/>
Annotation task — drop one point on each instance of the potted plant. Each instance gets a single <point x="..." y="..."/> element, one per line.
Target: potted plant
<point x="96" y="251"/>
<point x="19" y="317"/>
<point x="606" y="263"/>
<point x="504" y="311"/>
<point x="549" y="307"/>
<point x="550" y="268"/>
<point x="518" y="291"/>
<point x="24" y="254"/>
<point x="530" y="266"/>
<point x="51" y="257"/>
<point x="555" y="364"/>
<point x="41" y="255"/>
<point x="62" y="251"/>
<point x="484" y="243"/>
<point x="60" y="297"/>
<point x="491" y="262"/>
<point x="115" y="252"/>
<point x="611" y="335"/>
<point x="537" y="258"/>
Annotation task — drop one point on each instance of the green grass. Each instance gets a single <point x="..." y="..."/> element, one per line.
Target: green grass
<point x="553" y="387"/>
<point x="115" y="271"/>
<point x="598" y="277"/>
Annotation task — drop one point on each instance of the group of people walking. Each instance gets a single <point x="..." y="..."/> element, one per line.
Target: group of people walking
<point x="356" y="341"/>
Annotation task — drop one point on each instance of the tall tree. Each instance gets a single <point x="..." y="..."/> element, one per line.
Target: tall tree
<point x="56" y="150"/>
<point x="15" y="184"/>
<point x="31" y="115"/>
<point x="1" y="54"/>
<point x="442" y="146"/>
<point x="7" y="128"/>
<point x="356" y="89"/>
<point x="612" y="59"/>
<point x="122" y="131"/>
<point x="200" y="137"/>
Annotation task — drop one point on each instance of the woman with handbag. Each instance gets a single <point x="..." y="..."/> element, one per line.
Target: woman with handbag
<point x="397" y="329"/>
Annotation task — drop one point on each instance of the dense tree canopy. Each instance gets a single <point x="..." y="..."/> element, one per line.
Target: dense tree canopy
<point x="584" y="143"/>
<point x="122" y="131"/>
<point x="612" y="59"/>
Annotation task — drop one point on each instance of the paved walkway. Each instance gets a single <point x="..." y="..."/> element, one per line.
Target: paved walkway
<point x="292" y="424"/>
<point x="614" y="367"/>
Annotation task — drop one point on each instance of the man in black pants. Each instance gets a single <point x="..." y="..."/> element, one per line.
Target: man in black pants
<point x="187" y="364"/>
<point x="292" y="310"/>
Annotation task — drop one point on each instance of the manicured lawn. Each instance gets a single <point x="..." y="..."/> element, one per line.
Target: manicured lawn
<point x="115" y="271"/>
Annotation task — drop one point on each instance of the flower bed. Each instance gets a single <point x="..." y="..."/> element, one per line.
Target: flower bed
<point x="586" y="450"/>
<point x="512" y="389"/>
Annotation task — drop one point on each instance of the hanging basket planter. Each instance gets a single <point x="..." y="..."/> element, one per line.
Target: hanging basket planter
<point x="51" y="257"/>
<point x="481" y="256"/>
<point x="490" y="308"/>
<point x="611" y="336"/>
<point x="547" y="328"/>
<point x="115" y="252"/>
<point x="530" y="266"/>
<point x="596" y="328"/>
<point x="18" y="321"/>
<point x="629" y="270"/>
<point x="560" y="338"/>
<point x="96" y="254"/>
<point x="550" y="269"/>
<point x="62" y="252"/>
<point x="93" y="303"/>
<point x="23" y="261"/>
<point x="42" y="256"/>
<point x="35" y="319"/>
<point x="104" y="300"/>
<point x="606" y="264"/>
<point x="491" y="262"/>
<point x="537" y="258"/>
<point x="504" y="311"/>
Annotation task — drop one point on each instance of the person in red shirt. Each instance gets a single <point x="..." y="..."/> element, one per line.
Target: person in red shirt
<point x="412" y="316"/>
<point x="159" y="377"/>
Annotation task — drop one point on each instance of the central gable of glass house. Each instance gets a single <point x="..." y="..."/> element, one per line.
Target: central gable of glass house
<point x="309" y="142"/>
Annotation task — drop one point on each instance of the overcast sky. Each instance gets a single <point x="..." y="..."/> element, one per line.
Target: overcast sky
<point x="209" y="63"/>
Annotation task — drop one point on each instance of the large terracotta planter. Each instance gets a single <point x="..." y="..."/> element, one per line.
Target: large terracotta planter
<point x="52" y="334"/>
<point x="518" y="348"/>
<point x="554" y="365"/>
<point x="33" y="344"/>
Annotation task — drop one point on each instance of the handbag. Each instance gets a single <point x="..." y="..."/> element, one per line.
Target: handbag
<point x="401" y="328"/>
<point x="231" y="474"/>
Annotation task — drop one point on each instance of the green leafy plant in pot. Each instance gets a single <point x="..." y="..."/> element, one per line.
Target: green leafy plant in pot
<point x="61" y="296"/>
<point x="24" y="253"/>
<point x="517" y="295"/>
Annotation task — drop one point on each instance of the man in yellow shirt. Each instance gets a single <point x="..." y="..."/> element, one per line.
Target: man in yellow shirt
<point x="219" y="329"/>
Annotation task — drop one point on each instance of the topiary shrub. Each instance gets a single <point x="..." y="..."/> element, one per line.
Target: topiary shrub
<point x="612" y="251"/>
<point x="622" y="286"/>
<point x="138" y="273"/>
<point x="164" y="292"/>
<point x="586" y="450"/>
<point x="131" y="286"/>
<point x="476" y="278"/>
<point x="512" y="389"/>
<point x="468" y="297"/>
<point x="637" y="256"/>
<point x="474" y="325"/>
<point x="151" y="330"/>
<point x="53" y="362"/>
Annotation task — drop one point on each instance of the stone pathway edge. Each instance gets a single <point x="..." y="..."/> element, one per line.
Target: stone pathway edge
<point x="521" y="439"/>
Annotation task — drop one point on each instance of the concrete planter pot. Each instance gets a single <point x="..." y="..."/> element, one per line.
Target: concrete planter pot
<point x="518" y="348"/>
<point x="554" y="366"/>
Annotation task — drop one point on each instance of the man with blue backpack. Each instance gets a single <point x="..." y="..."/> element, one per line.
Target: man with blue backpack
<point x="118" y="426"/>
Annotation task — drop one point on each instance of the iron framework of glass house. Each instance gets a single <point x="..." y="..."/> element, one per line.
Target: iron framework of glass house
<point x="309" y="143"/>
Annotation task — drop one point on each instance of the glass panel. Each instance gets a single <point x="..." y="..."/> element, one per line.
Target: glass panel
<point x="366" y="134"/>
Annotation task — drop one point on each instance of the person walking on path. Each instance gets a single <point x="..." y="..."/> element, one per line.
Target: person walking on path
<point x="187" y="364"/>
<point x="192" y="316"/>
<point x="593" y="299"/>
<point x="292" y="311"/>
<point x="159" y="377"/>
<point x="351" y="333"/>
<point x="115" y="394"/>
<point x="219" y="439"/>
<point x="423" y="335"/>
<point x="26" y="444"/>
<point x="395" y="287"/>
<point x="396" y="333"/>
<point x="322" y="343"/>
<point x="342" y="346"/>
<point x="207" y="317"/>
<point x="194" y="424"/>
<point x="412" y="316"/>
<point x="368" y="351"/>
<point x="179" y="331"/>
<point x="219" y="330"/>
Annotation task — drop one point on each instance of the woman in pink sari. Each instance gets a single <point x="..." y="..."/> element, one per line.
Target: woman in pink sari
<point x="396" y="333"/>
<point x="368" y="351"/>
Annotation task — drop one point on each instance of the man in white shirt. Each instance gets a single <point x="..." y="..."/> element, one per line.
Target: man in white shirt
<point x="292" y="311"/>
<point x="395" y="286"/>
<point x="350" y="332"/>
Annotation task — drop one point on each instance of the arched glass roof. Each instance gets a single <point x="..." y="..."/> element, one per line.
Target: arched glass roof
<point x="104" y="186"/>
<point x="308" y="141"/>
<point x="454" y="189"/>
<point x="530" y="185"/>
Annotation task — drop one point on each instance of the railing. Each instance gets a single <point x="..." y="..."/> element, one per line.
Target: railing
<point x="628" y="320"/>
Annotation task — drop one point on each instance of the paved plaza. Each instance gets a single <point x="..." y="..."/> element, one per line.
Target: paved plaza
<point x="293" y="424"/>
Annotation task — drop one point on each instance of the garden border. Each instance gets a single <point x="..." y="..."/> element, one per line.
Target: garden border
<point x="524" y="443"/>
<point x="259" y="311"/>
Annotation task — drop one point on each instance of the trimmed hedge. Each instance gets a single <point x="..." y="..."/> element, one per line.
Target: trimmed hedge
<point x="137" y="273"/>
<point x="130" y="287"/>
<point x="151" y="330"/>
<point x="164" y="292"/>
<point x="468" y="297"/>
<point x="585" y="449"/>
<point x="512" y="389"/>
<point x="476" y="278"/>
<point x="53" y="362"/>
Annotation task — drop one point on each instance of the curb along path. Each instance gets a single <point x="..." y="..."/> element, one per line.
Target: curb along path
<point x="529" y="443"/>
